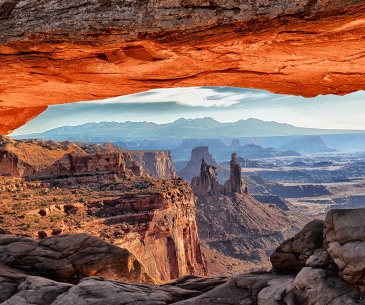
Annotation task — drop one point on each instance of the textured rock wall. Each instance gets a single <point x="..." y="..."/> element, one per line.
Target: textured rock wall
<point x="167" y="240"/>
<point x="344" y="240"/>
<point x="87" y="50"/>
<point x="81" y="20"/>
<point x="47" y="158"/>
<point x="158" y="163"/>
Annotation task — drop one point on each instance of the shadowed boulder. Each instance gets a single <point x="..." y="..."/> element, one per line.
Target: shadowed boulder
<point x="70" y="258"/>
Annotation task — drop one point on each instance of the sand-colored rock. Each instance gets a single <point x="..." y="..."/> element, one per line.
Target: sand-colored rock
<point x="93" y="50"/>
<point x="38" y="158"/>
<point x="167" y="240"/>
<point x="157" y="163"/>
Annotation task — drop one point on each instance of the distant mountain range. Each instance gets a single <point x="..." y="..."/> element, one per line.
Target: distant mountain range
<point x="206" y="128"/>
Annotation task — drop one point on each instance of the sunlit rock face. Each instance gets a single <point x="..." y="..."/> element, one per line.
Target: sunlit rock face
<point x="55" y="52"/>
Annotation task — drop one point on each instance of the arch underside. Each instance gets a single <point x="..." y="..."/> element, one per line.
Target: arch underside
<point x="314" y="49"/>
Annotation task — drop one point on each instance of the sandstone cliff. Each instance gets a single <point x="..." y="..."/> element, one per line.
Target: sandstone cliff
<point x="165" y="234"/>
<point x="153" y="218"/>
<point x="158" y="163"/>
<point x="36" y="158"/>
<point x="154" y="163"/>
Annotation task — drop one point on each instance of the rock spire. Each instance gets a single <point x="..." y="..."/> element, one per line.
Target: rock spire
<point x="235" y="182"/>
<point x="207" y="181"/>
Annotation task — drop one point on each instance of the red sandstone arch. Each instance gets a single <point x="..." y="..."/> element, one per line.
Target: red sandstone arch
<point x="66" y="51"/>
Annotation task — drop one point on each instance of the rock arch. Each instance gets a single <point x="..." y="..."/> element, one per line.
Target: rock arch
<point x="89" y="50"/>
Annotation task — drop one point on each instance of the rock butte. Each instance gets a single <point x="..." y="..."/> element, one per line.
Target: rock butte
<point x="54" y="52"/>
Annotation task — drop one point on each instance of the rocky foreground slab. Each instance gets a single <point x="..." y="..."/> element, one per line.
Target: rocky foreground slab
<point x="321" y="265"/>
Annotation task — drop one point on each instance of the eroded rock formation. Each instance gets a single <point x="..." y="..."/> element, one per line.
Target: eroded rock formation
<point x="344" y="240"/>
<point x="233" y="222"/>
<point x="153" y="218"/>
<point x="235" y="182"/>
<point x="207" y="181"/>
<point x="71" y="257"/>
<point x="91" y="50"/>
<point x="322" y="280"/>
<point x="36" y="158"/>
<point x="294" y="253"/>
<point x="166" y="238"/>
<point x="158" y="163"/>
<point x="193" y="167"/>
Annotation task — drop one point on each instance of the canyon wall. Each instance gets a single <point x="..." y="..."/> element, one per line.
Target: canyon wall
<point x="104" y="194"/>
<point x="166" y="240"/>
<point x="37" y="158"/>
<point x="158" y="163"/>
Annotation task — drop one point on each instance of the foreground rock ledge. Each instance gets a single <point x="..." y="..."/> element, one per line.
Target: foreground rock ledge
<point x="55" y="52"/>
<point x="329" y="272"/>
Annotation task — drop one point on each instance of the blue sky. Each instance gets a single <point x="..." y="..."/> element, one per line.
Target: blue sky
<point x="224" y="104"/>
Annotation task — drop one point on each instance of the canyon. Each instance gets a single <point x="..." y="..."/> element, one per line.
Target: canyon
<point x="54" y="52"/>
<point x="232" y="222"/>
<point x="63" y="188"/>
<point x="92" y="50"/>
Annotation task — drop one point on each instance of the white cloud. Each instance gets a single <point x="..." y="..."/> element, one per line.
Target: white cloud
<point x="191" y="97"/>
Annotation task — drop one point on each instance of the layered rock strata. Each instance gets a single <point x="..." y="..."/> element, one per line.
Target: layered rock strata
<point x="166" y="239"/>
<point x="158" y="163"/>
<point x="37" y="158"/>
<point x="92" y="50"/>
<point x="155" y="219"/>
